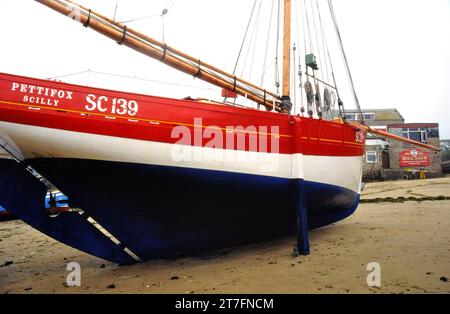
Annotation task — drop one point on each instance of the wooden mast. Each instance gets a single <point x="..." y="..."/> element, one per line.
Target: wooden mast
<point x="286" y="82"/>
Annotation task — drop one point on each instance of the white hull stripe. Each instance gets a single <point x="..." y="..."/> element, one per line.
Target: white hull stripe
<point x="40" y="142"/>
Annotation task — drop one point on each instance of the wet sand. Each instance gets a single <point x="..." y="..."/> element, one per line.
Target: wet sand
<point x="410" y="241"/>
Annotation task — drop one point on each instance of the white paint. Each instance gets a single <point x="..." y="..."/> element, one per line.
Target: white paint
<point x="47" y="143"/>
<point x="73" y="279"/>
<point x="375" y="142"/>
<point x="4" y="154"/>
<point x="374" y="277"/>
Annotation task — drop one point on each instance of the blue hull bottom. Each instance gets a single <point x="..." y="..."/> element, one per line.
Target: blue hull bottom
<point x="161" y="212"/>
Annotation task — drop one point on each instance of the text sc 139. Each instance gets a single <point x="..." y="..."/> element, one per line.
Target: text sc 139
<point x="115" y="106"/>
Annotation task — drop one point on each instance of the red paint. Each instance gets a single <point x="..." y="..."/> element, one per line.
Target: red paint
<point x="228" y="93"/>
<point x="61" y="106"/>
<point x="414" y="158"/>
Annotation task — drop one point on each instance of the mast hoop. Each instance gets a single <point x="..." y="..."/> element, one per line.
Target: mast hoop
<point x="120" y="42"/>
<point x="164" y="53"/>
<point x="199" y="68"/>
<point x="88" y="21"/>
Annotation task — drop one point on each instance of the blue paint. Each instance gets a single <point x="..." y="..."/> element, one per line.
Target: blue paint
<point x="162" y="212"/>
<point x="24" y="197"/>
<point x="302" y="219"/>
<point x="61" y="200"/>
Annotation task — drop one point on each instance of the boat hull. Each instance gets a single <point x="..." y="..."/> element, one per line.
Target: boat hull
<point x="145" y="194"/>
<point x="161" y="211"/>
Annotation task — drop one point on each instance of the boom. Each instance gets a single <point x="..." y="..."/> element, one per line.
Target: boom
<point x="392" y="136"/>
<point x="164" y="53"/>
<point x="190" y="65"/>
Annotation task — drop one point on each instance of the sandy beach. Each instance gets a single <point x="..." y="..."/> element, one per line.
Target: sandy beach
<point x="410" y="240"/>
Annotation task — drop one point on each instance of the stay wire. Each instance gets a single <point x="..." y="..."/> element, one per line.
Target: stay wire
<point x="245" y="36"/>
<point x="166" y="9"/>
<point x="317" y="38"/>
<point x="115" y="10"/>
<point x="277" y="47"/>
<point x="349" y="75"/>
<point x="266" y="51"/>
<point x="255" y="39"/>
<point x="323" y="43"/>
<point x="299" y="72"/>
<point x="308" y="27"/>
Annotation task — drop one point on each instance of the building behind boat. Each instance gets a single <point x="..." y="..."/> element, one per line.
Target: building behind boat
<point x="387" y="159"/>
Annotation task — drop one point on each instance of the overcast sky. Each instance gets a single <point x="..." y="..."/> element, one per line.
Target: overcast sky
<point x="398" y="50"/>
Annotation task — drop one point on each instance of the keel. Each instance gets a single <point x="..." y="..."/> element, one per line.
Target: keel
<point x="24" y="196"/>
<point x="302" y="246"/>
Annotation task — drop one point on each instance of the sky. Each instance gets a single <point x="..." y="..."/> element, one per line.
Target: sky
<point x="398" y="50"/>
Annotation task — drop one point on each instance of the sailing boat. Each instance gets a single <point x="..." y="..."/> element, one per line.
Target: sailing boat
<point x="152" y="177"/>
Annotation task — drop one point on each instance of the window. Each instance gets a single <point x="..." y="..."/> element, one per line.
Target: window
<point x="369" y="116"/>
<point x="371" y="157"/>
<point x="416" y="134"/>
<point x="433" y="132"/>
<point x="423" y="136"/>
<point x="351" y="116"/>
<point x="355" y="116"/>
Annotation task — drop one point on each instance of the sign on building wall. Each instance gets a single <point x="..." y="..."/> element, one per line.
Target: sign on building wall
<point x="414" y="158"/>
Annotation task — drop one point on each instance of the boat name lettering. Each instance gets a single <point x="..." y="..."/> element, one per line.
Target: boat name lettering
<point x="118" y="106"/>
<point x="40" y="95"/>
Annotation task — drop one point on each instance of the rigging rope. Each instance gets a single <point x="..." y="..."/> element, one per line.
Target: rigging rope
<point x="317" y="96"/>
<point x="333" y="100"/>
<point x="317" y="38"/>
<point x="302" y="107"/>
<point x="66" y="75"/>
<point x="294" y="85"/>
<point x="115" y="10"/>
<point x="131" y="77"/>
<point x="267" y="45"/>
<point x="307" y="85"/>
<point x="277" y="66"/>
<point x="253" y="40"/>
<point x="308" y="27"/>
<point x="166" y="9"/>
<point x="349" y="75"/>
<point x="163" y="14"/>
<point x="323" y="42"/>
<point x="245" y="36"/>
<point x="303" y="26"/>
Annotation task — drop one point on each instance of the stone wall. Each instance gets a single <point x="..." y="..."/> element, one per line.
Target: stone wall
<point x="396" y="147"/>
<point x="373" y="170"/>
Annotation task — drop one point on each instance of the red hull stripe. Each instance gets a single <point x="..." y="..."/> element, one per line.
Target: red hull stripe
<point x="98" y="111"/>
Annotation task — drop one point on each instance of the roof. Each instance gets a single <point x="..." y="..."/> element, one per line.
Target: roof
<point x="413" y="125"/>
<point x="380" y="114"/>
